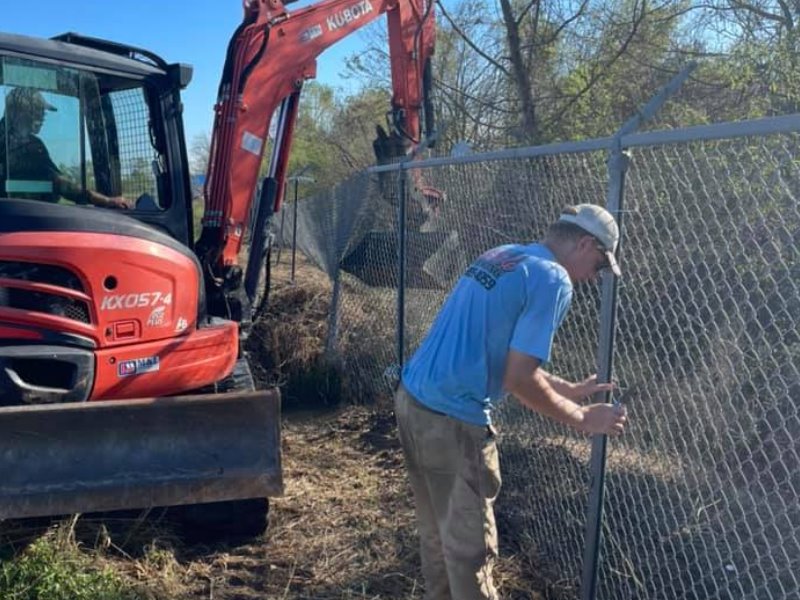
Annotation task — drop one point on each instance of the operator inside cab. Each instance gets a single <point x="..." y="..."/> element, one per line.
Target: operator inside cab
<point x="26" y="168"/>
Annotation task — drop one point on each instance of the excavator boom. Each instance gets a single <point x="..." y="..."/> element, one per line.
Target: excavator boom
<point x="272" y="54"/>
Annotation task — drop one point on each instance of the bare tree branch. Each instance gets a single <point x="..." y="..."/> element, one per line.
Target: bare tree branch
<point x="598" y="73"/>
<point x="737" y="4"/>
<point x="469" y="42"/>
<point x="522" y="79"/>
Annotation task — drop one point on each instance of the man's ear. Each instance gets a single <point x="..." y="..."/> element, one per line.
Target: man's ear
<point x="586" y="243"/>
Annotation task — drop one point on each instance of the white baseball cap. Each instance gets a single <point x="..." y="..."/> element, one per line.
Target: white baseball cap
<point x="598" y="222"/>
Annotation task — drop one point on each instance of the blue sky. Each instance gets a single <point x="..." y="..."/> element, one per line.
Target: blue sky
<point x="188" y="31"/>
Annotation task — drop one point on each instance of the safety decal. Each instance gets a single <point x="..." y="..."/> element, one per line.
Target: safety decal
<point x="252" y="143"/>
<point x="137" y="366"/>
<point x="156" y="318"/>
<point x="310" y="34"/>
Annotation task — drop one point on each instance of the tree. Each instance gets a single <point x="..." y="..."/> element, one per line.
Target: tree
<point x="530" y="72"/>
<point x="332" y="136"/>
<point x="760" y="62"/>
<point x="199" y="152"/>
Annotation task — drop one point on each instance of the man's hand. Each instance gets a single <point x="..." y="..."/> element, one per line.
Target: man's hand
<point x="103" y="201"/>
<point x="588" y="388"/>
<point x="555" y="398"/>
<point x="608" y="419"/>
<point x="119" y="202"/>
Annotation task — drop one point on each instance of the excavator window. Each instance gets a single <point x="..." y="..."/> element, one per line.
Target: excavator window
<point x="66" y="131"/>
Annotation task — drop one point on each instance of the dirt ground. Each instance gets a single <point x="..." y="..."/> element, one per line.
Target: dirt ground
<point x="345" y="527"/>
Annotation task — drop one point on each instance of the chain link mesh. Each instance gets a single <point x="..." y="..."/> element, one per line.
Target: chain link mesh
<point x="702" y="490"/>
<point x="354" y="226"/>
<point x="136" y="150"/>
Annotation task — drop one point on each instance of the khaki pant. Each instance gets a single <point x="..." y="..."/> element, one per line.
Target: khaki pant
<point x="455" y="474"/>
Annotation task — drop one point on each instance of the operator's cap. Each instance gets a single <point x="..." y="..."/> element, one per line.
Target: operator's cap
<point x="25" y="98"/>
<point x="598" y="222"/>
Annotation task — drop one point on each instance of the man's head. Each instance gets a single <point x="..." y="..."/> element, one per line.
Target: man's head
<point x="584" y="239"/>
<point x="25" y="108"/>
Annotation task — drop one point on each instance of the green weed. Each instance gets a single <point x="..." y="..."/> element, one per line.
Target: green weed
<point x="54" y="569"/>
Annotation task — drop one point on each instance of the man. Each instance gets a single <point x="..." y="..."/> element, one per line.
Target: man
<point x="26" y="169"/>
<point x="492" y="337"/>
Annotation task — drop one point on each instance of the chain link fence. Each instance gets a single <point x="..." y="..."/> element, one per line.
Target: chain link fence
<point x="701" y="493"/>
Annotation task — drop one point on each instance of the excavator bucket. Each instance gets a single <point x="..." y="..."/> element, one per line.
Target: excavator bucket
<point x="361" y="260"/>
<point x="99" y="456"/>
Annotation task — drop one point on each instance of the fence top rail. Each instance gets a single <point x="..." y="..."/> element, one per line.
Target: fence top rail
<point x="765" y="126"/>
<point x="732" y="129"/>
<point x="507" y="154"/>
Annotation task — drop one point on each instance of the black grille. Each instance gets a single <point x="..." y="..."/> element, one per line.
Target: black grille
<point x="37" y="273"/>
<point x="50" y="304"/>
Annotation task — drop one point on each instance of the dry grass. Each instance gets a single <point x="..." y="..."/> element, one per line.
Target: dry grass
<point x="287" y="344"/>
<point x="344" y="528"/>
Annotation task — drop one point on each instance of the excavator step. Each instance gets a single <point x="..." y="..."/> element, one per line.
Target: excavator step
<point x="110" y="455"/>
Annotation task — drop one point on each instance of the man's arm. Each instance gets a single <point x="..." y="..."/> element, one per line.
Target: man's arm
<point x="561" y="386"/>
<point x="70" y="191"/>
<point x="539" y="391"/>
<point x="576" y="391"/>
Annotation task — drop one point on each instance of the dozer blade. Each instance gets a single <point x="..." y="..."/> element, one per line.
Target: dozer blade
<point x="99" y="456"/>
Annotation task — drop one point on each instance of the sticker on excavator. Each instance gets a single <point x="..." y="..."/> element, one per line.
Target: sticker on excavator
<point x="98" y="456"/>
<point x="137" y="366"/>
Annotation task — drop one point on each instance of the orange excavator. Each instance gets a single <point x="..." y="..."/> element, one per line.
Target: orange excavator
<point x="123" y="382"/>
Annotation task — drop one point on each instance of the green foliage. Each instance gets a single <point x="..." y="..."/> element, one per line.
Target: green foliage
<point x="628" y="57"/>
<point x="333" y="138"/>
<point x="764" y="77"/>
<point x="198" y="208"/>
<point x="53" y="570"/>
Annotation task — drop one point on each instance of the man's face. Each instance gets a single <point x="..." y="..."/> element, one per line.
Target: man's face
<point x="27" y="117"/>
<point x="587" y="260"/>
<point x="36" y="118"/>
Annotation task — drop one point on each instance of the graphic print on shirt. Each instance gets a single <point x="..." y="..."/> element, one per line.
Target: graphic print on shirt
<point x="494" y="264"/>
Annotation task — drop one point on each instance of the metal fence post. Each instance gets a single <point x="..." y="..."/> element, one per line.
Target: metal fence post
<point x="296" y="178"/>
<point x="283" y="222"/>
<point x="333" y="316"/>
<point x="403" y="173"/>
<point x="294" y="229"/>
<point x="617" y="166"/>
<point x="401" y="267"/>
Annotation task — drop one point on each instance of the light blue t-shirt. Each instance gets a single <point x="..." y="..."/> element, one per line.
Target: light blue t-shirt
<point x="511" y="297"/>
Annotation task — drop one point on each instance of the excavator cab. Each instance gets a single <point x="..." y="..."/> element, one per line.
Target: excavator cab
<point x="107" y="117"/>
